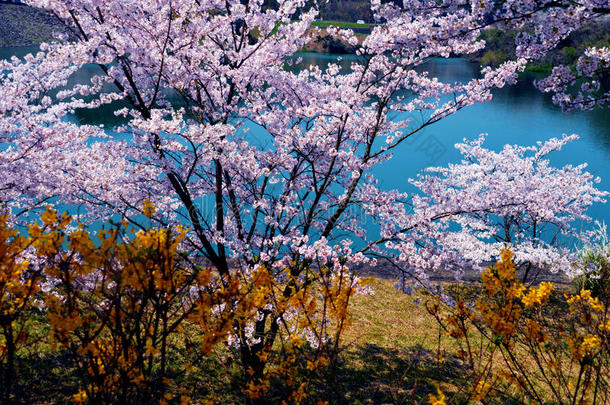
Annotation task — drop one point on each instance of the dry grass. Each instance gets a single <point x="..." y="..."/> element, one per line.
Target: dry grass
<point x="391" y="352"/>
<point x="390" y="319"/>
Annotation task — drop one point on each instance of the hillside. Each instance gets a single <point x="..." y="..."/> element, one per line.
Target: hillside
<point x="21" y="25"/>
<point x="501" y="45"/>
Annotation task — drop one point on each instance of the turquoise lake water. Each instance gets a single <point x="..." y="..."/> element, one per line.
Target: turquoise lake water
<point x="517" y="115"/>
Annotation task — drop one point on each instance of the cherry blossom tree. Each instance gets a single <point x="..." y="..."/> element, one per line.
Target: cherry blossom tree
<point x="514" y="198"/>
<point x="190" y="79"/>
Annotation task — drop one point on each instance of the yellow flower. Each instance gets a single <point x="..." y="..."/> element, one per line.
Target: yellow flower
<point x="295" y="340"/>
<point x="534" y="331"/>
<point x="481" y="390"/>
<point x="148" y="209"/>
<point x="586" y="347"/>
<point x="438" y="399"/>
<point x="586" y="298"/>
<point x="506" y="267"/>
<point x="49" y="216"/>
<point x="590" y="344"/>
<point x="538" y="296"/>
<point x="515" y="291"/>
<point x="80" y="397"/>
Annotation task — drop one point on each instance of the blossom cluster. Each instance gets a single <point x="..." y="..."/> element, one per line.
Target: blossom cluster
<point x="490" y="200"/>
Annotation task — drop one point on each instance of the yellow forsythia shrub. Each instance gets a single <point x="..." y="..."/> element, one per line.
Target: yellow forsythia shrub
<point x="529" y="344"/>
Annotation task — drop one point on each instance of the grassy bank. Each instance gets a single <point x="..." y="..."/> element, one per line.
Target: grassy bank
<point x="340" y="24"/>
<point x="393" y="353"/>
<point x="390" y="355"/>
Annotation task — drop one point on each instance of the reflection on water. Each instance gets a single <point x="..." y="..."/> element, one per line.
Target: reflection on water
<point x="517" y="114"/>
<point x="18" y="51"/>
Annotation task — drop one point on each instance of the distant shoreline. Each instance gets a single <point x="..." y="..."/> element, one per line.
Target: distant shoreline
<point x="25" y="26"/>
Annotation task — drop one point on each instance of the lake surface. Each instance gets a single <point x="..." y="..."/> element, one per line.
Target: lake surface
<point x="517" y="115"/>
